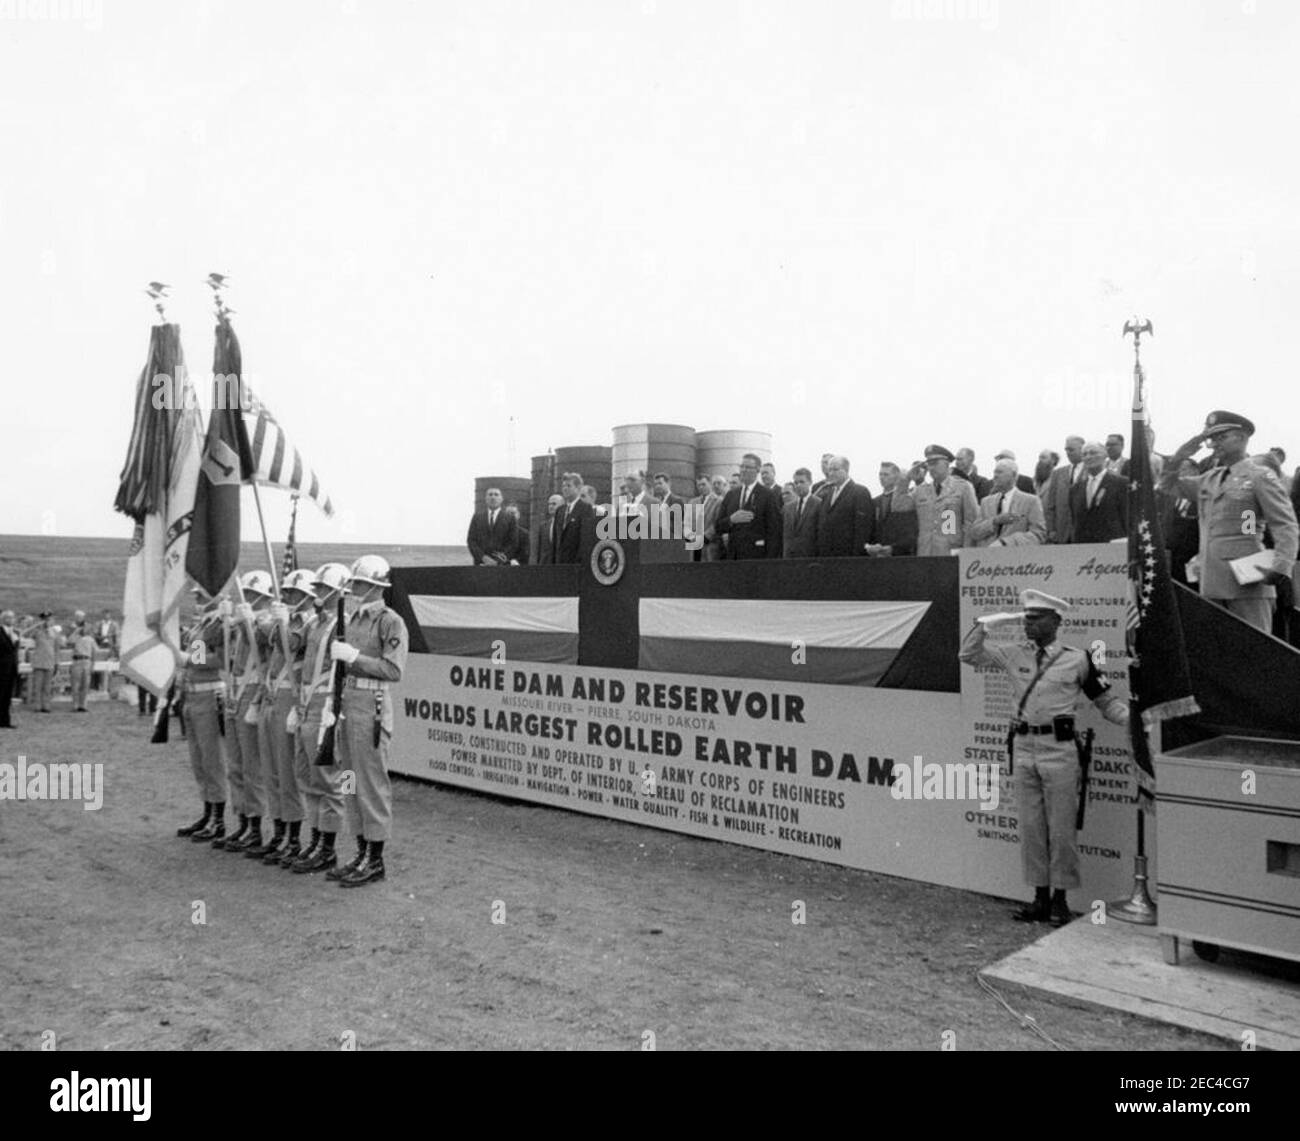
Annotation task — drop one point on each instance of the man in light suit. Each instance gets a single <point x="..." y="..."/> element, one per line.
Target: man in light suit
<point x="1056" y="496"/>
<point x="944" y="507"/>
<point x="697" y="508"/>
<point x="1237" y="500"/>
<point x="848" y="520"/>
<point x="575" y="522"/>
<point x="492" y="538"/>
<point x="1116" y="461"/>
<point x="1008" y="516"/>
<point x="544" y="533"/>
<point x="1099" y="501"/>
<point x="802" y="520"/>
<point x="750" y="515"/>
<point x="712" y="551"/>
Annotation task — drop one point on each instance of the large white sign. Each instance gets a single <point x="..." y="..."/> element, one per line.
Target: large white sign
<point x="809" y="770"/>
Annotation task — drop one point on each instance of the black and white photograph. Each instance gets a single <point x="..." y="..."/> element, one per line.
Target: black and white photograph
<point x="649" y="526"/>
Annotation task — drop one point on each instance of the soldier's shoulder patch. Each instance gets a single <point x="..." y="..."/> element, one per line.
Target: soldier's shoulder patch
<point x="394" y="642"/>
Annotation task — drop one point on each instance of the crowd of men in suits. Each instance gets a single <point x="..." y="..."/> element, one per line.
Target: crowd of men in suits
<point x="933" y="507"/>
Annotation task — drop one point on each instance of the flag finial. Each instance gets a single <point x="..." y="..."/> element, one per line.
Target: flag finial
<point x="158" y="291"/>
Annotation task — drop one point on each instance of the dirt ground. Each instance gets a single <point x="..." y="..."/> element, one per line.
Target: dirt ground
<point x="611" y="931"/>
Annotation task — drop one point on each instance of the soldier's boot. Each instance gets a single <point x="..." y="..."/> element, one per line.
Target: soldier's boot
<point x="291" y="849"/>
<point x="323" y="859"/>
<point x="252" y="836"/>
<point x="237" y="835"/>
<point x="257" y="851"/>
<point x="351" y="865"/>
<point x="306" y="854"/>
<point x="1037" y="912"/>
<point x="215" y="828"/>
<point x="199" y="824"/>
<point x="1060" y="909"/>
<point x="369" y="870"/>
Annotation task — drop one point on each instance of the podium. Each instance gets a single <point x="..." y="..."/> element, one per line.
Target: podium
<point x="1228" y="814"/>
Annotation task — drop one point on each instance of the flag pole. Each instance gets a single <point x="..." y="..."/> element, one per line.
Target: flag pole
<point x="266" y="542"/>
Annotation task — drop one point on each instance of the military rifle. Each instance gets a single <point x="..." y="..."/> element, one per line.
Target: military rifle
<point x="325" y="753"/>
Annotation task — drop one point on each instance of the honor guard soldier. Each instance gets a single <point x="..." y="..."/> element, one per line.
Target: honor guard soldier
<point x="1047" y="678"/>
<point x="283" y="672"/>
<point x="83" y="661"/>
<point x="45" y="662"/>
<point x="242" y="726"/>
<point x="1237" y="501"/>
<point x="321" y="785"/>
<point x="204" y="688"/>
<point x="375" y="656"/>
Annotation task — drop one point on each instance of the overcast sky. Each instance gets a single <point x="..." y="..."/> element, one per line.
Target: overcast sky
<point x="862" y="227"/>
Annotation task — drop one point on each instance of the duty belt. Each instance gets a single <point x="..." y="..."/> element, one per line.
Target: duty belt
<point x="366" y="683"/>
<point x="1022" y="727"/>
<point x="81" y="657"/>
<point x="205" y="686"/>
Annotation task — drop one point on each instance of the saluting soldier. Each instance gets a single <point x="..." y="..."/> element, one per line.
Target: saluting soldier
<point x="45" y="662"/>
<point x="1237" y="500"/>
<point x="204" y="688"/>
<point x="375" y="655"/>
<point x="321" y="785"/>
<point x="242" y="723"/>
<point x="1047" y="677"/>
<point x="283" y="672"/>
<point x="945" y="507"/>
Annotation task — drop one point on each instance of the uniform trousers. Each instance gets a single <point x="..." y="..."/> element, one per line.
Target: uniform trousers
<point x="1257" y="611"/>
<point x="320" y="785"/>
<point x="207" y="758"/>
<point x="80" y="676"/>
<point x="249" y="748"/>
<point x="40" y="689"/>
<point x="280" y="755"/>
<point x="1047" y="794"/>
<point x="370" y="808"/>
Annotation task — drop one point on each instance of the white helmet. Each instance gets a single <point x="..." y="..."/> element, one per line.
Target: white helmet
<point x="301" y="580"/>
<point x="259" y="582"/>
<point x="333" y="576"/>
<point x="372" y="569"/>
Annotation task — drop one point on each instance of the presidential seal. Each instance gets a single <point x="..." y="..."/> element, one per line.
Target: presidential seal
<point x="608" y="561"/>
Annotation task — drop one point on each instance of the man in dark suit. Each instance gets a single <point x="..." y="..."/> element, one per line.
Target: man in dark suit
<point x="895" y="530"/>
<point x="750" y="515"/>
<point x="803" y="520"/>
<point x="848" y="519"/>
<point x="963" y="467"/>
<point x="575" y="522"/>
<point x="1099" y="501"/>
<point x="823" y="483"/>
<point x="8" y="665"/>
<point x="492" y="537"/>
<point x="663" y="488"/>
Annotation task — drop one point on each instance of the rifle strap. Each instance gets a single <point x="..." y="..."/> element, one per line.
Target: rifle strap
<point x="318" y="673"/>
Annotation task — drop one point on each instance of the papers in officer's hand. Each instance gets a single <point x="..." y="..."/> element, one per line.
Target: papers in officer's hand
<point x="1252" y="568"/>
<point x="999" y="619"/>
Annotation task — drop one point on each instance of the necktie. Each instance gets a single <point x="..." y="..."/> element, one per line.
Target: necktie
<point x="1074" y="475"/>
<point x="799" y="517"/>
<point x="492" y="519"/>
<point x="744" y="498"/>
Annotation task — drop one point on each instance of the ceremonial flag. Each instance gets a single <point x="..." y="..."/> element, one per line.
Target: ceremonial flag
<point x="1159" y="682"/>
<point x="277" y="463"/>
<point x="227" y="463"/>
<point x="291" y="546"/>
<point x="157" y="490"/>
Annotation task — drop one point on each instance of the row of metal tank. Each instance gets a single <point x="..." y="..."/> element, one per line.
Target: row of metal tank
<point x="678" y="450"/>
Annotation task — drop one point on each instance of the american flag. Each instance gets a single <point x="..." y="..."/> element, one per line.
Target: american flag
<point x="1159" y="683"/>
<point x="277" y="462"/>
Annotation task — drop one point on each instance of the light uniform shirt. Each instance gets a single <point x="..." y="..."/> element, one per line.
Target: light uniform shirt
<point x="317" y="668"/>
<point x="45" y="648"/>
<point x="942" y="516"/>
<point x="1057" y="692"/>
<point x="380" y="634"/>
<point x="204" y="644"/>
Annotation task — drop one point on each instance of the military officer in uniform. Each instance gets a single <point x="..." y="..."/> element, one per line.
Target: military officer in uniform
<point x="83" y="661"/>
<point x="283" y="673"/>
<point x="375" y="656"/>
<point x="204" y="688"/>
<point x="1047" y="677"/>
<point x="945" y="507"/>
<point x="1236" y="500"/>
<point x="248" y="643"/>
<point x="321" y="785"/>
<point x="45" y="662"/>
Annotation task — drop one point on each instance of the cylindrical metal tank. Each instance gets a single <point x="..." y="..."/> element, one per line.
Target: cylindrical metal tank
<point x="591" y="462"/>
<point x="669" y="448"/>
<point x="719" y="453"/>
<point x="514" y="489"/>
<point x="544" y="484"/>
